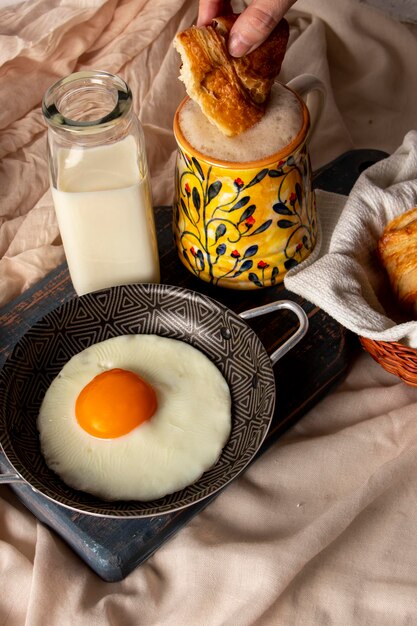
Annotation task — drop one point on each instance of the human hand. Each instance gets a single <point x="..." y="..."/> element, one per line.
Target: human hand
<point x="252" y="26"/>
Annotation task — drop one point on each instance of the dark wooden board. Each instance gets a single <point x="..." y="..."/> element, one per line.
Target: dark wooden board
<point x="114" y="547"/>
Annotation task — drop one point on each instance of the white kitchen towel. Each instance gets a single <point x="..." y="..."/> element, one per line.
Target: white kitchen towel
<point x="343" y="275"/>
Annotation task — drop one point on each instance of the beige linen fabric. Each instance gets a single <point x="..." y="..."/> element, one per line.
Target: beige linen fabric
<point x="321" y="529"/>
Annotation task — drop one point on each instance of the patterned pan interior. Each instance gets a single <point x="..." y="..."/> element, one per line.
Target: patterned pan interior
<point x="150" y="309"/>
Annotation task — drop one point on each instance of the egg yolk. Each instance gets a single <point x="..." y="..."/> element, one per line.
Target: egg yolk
<point x="114" y="403"/>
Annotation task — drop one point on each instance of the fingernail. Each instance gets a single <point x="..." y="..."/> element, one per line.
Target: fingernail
<point x="237" y="47"/>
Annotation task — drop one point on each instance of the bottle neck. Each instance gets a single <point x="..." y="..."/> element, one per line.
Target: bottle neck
<point x="88" y="104"/>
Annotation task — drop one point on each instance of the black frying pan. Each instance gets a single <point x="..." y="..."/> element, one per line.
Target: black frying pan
<point x="165" y="310"/>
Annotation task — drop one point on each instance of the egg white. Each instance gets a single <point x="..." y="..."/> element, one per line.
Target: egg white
<point x="183" y="439"/>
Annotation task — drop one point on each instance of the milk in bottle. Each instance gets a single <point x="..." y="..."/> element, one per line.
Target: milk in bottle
<point x="100" y="182"/>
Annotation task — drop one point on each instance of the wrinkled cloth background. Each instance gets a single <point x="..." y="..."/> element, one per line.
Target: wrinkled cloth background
<point x="321" y="529"/>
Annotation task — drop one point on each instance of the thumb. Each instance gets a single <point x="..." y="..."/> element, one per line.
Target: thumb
<point x="255" y="24"/>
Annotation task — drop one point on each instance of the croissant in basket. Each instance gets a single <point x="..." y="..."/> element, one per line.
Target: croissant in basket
<point x="232" y="92"/>
<point x="397" y="249"/>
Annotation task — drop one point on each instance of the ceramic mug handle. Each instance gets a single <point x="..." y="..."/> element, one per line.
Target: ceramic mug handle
<point x="313" y="92"/>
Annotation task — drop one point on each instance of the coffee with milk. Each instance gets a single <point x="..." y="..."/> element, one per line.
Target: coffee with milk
<point x="279" y="126"/>
<point x="244" y="208"/>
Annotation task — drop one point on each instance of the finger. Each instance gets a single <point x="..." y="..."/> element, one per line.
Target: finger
<point x="255" y="24"/>
<point x="209" y="9"/>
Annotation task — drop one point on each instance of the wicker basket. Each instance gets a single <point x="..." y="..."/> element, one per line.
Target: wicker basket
<point x="394" y="357"/>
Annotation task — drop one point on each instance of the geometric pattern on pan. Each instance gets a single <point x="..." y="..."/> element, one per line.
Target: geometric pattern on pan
<point x="149" y="309"/>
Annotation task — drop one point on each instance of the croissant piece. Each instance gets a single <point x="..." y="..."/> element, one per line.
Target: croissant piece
<point x="395" y="249"/>
<point x="232" y="92"/>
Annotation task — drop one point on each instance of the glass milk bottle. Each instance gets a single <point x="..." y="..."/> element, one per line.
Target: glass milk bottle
<point x="100" y="182"/>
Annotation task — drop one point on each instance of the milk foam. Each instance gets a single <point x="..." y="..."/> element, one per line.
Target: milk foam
<point x="278" y="127"/>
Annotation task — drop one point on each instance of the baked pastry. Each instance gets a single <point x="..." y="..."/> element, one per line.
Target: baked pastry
<point x="232" y="92"/>
<point x="396" y="249"/>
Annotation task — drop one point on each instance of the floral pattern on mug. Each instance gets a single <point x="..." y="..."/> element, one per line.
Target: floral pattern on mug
<point x="244" y="228"/>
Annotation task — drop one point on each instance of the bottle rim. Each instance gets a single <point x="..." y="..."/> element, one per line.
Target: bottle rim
<point x="58" y="120"/>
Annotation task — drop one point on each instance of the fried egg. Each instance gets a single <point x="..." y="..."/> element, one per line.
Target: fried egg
<point x="135" y="417"/>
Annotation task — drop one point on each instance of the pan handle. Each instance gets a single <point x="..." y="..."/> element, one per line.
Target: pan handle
<point x="275" y="306"/>
<point x="10" y="478"/>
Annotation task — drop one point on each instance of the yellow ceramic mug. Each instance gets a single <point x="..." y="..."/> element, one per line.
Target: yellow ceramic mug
<point x="243" y="225"/>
